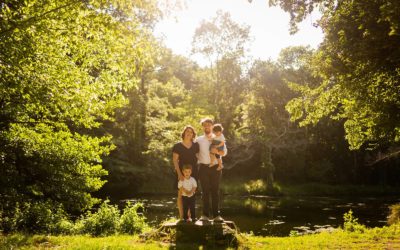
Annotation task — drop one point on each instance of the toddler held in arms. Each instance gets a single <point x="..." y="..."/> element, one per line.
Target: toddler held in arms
<point x="218" y="142"/>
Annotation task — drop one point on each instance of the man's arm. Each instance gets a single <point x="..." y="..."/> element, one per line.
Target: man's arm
<point x="221" y="153"/>
<point x="222" y="143"/>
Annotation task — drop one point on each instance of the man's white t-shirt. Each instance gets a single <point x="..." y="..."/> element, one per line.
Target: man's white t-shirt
<point x="188" y="185"/>
<point x="204" y="153"/>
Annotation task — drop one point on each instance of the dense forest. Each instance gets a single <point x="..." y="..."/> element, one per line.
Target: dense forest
<point x="91" y="102"/>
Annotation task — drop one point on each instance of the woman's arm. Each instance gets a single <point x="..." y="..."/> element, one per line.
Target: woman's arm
<point x="175" y="159"/>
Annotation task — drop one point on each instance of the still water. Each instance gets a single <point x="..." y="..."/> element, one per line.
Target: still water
<point x="278" y="216"/>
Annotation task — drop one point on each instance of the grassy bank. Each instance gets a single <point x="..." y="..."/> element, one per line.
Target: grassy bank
<point x="19" y="241"/>
<point x="259" y="187"/>
<point x="375" y="238"/>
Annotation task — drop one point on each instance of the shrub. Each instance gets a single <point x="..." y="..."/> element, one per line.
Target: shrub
<point x="63" y="226"/>
<point x="259" y="186"/>
<point x="102" y="223"/>
<point x="35" y="217"/>
<point x="256" y="186"/>
<point x="45" y="218"/>
<point x="394" y="216"/>
<point x="132" y="221"/>
<point x="351" y="223"/>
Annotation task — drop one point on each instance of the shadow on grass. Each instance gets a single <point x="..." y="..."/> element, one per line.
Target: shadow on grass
<point x="195" y="246"/>
<point x="15" y="241"/>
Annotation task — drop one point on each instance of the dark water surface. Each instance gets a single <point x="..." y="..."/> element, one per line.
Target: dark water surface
<point x="278" y="216"/>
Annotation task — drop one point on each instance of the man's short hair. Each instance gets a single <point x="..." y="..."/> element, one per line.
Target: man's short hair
<point x="207" y="119"/>
<point x="187" y="166"/>
<point x="218" y="128"/>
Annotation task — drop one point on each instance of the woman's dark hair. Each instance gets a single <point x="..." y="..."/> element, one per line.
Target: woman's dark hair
<point x="218" y="128"/>
<point x="186" y="128"/>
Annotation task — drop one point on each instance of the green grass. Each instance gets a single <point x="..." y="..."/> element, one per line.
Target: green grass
<point x="374" y="238"/>
<point x="19" y="241"/>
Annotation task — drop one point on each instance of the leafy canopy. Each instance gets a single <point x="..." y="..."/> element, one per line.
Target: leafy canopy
<point x="63" y="68"/>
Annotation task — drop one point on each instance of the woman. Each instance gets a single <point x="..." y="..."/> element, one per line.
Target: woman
<point x="185" y="152"/>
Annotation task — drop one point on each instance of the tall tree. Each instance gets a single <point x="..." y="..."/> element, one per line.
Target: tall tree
<point x="223" y="42"/>
<point x="325" y="154"/>
<point x="266" y="122"/>
<point x="220" y="37"/>
<point x="63" y="67"/>
<point x="359" y="64"/>
<point x="146" y="128"/>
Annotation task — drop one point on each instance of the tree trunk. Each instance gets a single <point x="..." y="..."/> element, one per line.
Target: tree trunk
<point x="269" y="168"/>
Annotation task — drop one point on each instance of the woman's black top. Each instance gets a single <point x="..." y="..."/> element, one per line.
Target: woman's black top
<point x="187" y="155"/>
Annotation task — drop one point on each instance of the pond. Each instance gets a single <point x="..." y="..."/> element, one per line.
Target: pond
<point x="278" y="216"/>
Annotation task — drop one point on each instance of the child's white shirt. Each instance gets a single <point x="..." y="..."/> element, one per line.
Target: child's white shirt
<point x="221" y="137"/>
<point x="188" y="185"/>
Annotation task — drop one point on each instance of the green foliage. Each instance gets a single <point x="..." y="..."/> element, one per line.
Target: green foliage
<point x="35" y="217"/>
<point x="132" y="221"/>
<point x="374" y="238"/>
<point x="83" y="86"/>
<point x="394" y="216"/>
<point x="105" y="221"/>
<point x="265" y="123"/>
<point x="64" y="67"/>
<point x="147" y="127"/>
<point x="223" y="42"/>
<point x="220" y="37"/>
<point x="300" y="9"/>
<point x="351" y="223"/>
<point x="45" y="218"/>
<point x="320" y="170"/>
<point x="294" y="233"/>
<point x="255" y="186"/>
<point x="359" y="70"/>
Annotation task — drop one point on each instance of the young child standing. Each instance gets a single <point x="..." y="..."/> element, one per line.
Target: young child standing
<point x="217" y="142"/>
<point x="188" y="188"/>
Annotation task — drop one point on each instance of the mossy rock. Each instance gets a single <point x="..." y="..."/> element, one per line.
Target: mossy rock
<point x="200" y="233"/>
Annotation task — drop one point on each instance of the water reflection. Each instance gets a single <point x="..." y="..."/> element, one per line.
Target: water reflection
<point x="255" y="205"/>
<point x="278" y="216"/>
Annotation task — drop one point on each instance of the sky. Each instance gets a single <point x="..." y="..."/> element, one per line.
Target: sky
<point x="269" y="27"/>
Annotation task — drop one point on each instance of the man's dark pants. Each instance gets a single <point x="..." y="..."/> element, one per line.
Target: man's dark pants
<point x="209" y="180"/>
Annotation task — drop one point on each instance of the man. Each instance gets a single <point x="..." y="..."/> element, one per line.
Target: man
<point x="209" y="176"/>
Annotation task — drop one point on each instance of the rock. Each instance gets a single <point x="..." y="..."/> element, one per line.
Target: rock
<point x="201" y="232"/>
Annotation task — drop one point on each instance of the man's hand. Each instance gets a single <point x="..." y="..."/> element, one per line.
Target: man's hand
<point x="214" y="151"/>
